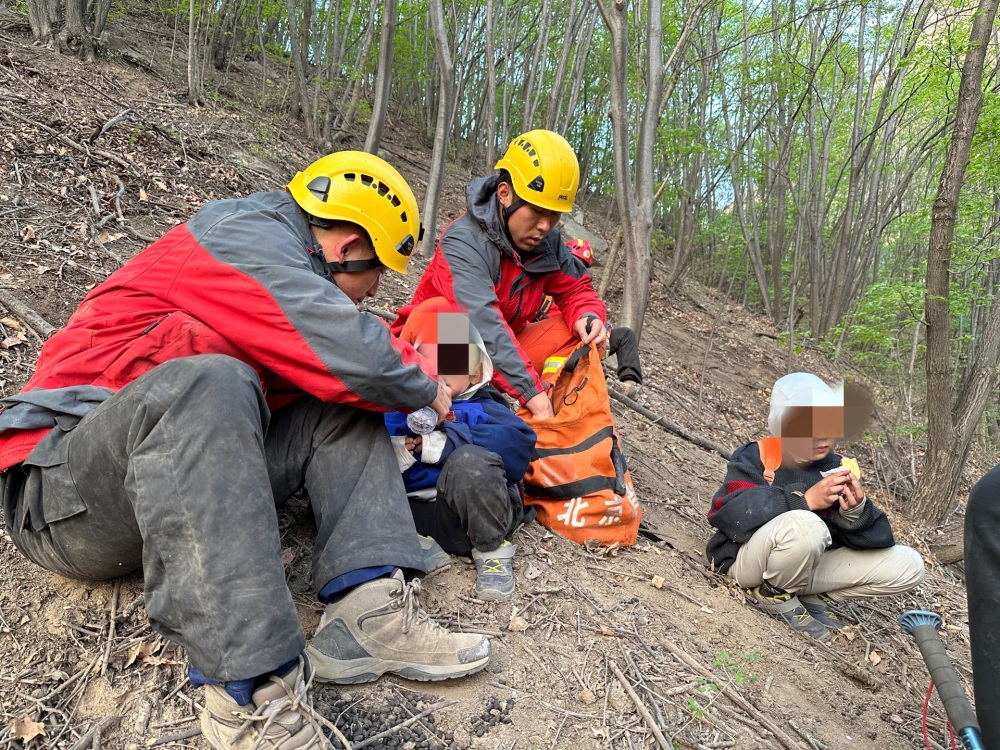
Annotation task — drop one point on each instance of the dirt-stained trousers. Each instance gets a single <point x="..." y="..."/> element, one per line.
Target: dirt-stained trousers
<point x="474" y="507"/>
<point x="179" y="474"/>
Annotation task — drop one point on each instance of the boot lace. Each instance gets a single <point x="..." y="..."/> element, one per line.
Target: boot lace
<point x="295" y="701"/>
<point x="413" y="613"/>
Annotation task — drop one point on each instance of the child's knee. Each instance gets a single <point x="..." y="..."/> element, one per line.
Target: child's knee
<point x="803" y="529"/>
<point x="910" y="567"/>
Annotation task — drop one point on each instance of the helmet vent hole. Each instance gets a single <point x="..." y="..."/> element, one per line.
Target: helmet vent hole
<point x="383" y="189"/>
<point x="350" y="176"/>
<point x="402" y="217"/>
<point x="367" y="179"/>
<point x="395" y="202"/>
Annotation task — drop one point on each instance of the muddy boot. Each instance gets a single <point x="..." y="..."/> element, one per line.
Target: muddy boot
<point x="278" y="717"/>
<point x="380" y="627"/>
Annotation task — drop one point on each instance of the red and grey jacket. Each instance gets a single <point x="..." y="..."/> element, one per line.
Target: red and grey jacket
<point x="242" y="277"/>
<point x="476" y="267"/>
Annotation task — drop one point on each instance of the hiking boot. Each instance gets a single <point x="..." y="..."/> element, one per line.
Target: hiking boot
<point x="786" y="607"/>
<point x="495" y="572"/>
<point x="380" y="627"/>
<point x="818" y="605"/>
<point x="435" y="558"/>
<point x="278" y="716"/>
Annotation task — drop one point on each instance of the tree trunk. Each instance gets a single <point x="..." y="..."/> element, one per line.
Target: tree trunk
<point x="948" y="440"/>
<point x="75" y="32"/>
<point x="101" y="10"/>
<point x="347" y="116"/>
<point x="194" y="79"/>
<point x="299" y="37"/>
<point x="446" y="69"/>
<point x="41" y="20"/>
<point x="384" y="83"/>
<point x="491" y="90"/>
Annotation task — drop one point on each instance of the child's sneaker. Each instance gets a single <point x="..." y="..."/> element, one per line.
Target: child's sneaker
<point x="435" y="558"/>
<point x="818" y="606"/>
<point x="495" y="572"/>
<point x="787" y="607"/>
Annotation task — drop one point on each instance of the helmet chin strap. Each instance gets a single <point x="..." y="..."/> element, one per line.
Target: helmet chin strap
<point x="354" y="266"/>
<point x="505" y="212"/>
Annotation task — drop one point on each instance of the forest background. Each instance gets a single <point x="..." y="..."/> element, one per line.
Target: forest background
<point x="793" y="155"/>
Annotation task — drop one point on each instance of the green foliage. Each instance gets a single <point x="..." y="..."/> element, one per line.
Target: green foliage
<point x="694" y="709"/>
<point x="737" y="666"/>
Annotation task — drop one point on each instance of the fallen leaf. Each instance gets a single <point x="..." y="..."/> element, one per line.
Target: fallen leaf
<point x="287" y="555"/>
<point x="518" y="624"/>
<point x="896" y="719"/>
<point x="25" y="729"/>
<point x="707" y="610"/>
<point x="10" y="342"/>
<point x="28" y="233"/>
<point x="875" y="658"/>
<point x="142" y="195"/>
<point x="10" y="322"/>
<point x="658" y="581"/>
<point x="532" y="572"/>
<point x="142" y="650"/>
<point x="586" y="697"/>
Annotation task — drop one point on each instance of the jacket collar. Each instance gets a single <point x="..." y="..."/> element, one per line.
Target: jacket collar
<point x="484" y="206"/>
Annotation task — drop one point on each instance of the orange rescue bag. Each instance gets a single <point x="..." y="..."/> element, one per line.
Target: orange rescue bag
<point x="578" y="481"/>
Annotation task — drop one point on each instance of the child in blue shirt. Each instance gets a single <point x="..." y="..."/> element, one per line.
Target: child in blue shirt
<point x="462" y="478"/>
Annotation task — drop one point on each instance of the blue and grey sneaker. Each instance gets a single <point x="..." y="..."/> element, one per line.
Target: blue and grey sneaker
<point x="786" y="606"/>
<point x="495" y="572"/>
<point x="818" y="605"/>
<point x="435" y="558"/>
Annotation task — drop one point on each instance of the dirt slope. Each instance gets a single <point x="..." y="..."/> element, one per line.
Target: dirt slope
<point x="590" y="653"/>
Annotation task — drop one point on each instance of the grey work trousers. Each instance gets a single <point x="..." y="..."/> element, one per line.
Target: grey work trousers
<point x="179" y="474"/>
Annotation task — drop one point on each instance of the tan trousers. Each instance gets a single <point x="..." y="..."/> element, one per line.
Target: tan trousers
<point x="792" y="552"/>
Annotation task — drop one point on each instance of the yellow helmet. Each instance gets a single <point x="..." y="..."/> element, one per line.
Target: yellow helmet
<point x="543" y="169"/>
<point x="363" y="189"/>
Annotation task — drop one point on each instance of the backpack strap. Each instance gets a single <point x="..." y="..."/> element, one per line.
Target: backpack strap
<point x="574" y="358"/>
<point x="770" y="456"/>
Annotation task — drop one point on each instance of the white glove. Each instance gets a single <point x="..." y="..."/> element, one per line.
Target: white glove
<point x="433" y="447"/>
<point x="404" y="458"/>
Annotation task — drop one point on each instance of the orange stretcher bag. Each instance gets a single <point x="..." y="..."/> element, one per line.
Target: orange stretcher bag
<point x="578" y="481"/>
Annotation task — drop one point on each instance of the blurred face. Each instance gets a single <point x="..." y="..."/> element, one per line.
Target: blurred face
<point x="808" y="434"/>
<point x="453" y="377"/>
<point x="528" y="225"/>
